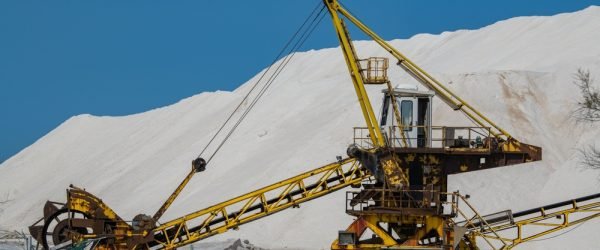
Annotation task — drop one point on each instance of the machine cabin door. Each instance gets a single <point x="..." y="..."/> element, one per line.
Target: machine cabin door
<point x="408" y="107"/>
<point x="424" y="122"/>
<point x="415" y="115"/>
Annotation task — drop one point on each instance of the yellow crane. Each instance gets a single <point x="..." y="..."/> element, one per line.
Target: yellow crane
<point x="400" y="163"/>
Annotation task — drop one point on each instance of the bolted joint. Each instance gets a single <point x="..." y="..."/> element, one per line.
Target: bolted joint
<point x="369" y="160"/>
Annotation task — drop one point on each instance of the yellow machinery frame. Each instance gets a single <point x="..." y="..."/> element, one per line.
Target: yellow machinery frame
<point x="535" y="227"/>
<point x="318" y="182"/>
<point x="449" y="97"/>
<point x="268" y="200"/>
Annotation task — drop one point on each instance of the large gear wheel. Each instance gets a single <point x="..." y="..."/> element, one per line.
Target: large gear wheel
<point x="58" y="230"/>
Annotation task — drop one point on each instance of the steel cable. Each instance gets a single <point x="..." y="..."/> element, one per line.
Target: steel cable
<point x="307" y="30"/>
<point x="281" y="52"/>
<point x="314" y="23"/>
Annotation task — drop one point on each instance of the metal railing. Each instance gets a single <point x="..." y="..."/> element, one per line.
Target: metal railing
<point x="16" y="240"/>
<point x="436" y="137"/>
<point x="427" y="199"/>
<point x="374" y="70"/>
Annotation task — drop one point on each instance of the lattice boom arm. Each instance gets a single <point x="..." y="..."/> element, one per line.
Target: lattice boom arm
<point x="257" y="204"/>
<point x="513" y="233"/>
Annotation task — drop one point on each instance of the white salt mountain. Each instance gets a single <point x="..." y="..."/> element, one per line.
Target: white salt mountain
<point x="518" y="72"/>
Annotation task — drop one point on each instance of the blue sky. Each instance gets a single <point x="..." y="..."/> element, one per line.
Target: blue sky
<point x="63" y="58"/>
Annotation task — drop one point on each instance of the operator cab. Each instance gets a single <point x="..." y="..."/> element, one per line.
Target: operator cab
<point x="414" y="108"/>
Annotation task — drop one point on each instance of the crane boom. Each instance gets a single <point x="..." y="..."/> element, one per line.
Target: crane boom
<point x="203" y="223"/>
<point x="198" y="165"/>
<point x="407" y="192"/>
<point x="505" y="229"/>
<point x="271" y="199"/>
<point x="449" y="97"/>
<point x="357" y="78"/>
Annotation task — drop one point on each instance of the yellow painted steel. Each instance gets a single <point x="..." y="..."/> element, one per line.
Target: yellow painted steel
<point x="533" y="228"/>
<point x="376" y="221"/>
<point x="319" y="182"/>
<point x="397" y="115"/>
<point x="421" y="75"/>
<point x="352" y="61"/>
<point x="260" y="203"/>
<point x="81" y="201"/>
<point x="477" y="215"/>
<point x="174" y="195"/>
<point x="359" y="225"/>
<point x="355" y="74"/>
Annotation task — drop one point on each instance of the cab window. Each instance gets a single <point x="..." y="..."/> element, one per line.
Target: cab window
<point x="406" y="111"/>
